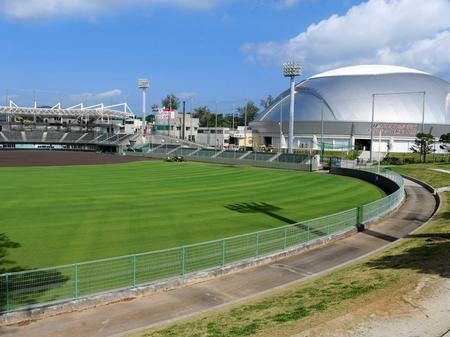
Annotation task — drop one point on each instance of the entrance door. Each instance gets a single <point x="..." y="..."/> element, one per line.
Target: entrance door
<point x="268" y="141"/>
<point x="362" y="144"/>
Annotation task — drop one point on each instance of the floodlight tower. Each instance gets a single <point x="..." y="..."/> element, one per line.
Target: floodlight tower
<point x="144" y="85"/>
<point x="291" y="70"/>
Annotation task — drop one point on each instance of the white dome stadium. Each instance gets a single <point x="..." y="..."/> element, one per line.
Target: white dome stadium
<point x="344" y="99"/>
<point x="346" y="94"/>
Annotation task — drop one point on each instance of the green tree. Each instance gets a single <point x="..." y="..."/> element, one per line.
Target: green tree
<point x="150" y="118"/>
<point x="265" y="103"/>
<point x="171" y="101"/>
<point x="249" y="110"/>
<point x="423" y="145"/>
<point x="204" y="115"/>
<point x="445" y="140"/>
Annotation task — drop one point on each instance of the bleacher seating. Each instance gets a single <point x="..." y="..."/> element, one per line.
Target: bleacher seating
<point x="100" y="138"/>
<point x="231" y="154"/>
<point x="205" y="153"/>
<point x="80" y="137"/>
<point x="164" y="149"/>
<point x="184" y="151"/>
<point x="54" y="136"/>
<point x="13" y="136"/>
<point x="291" y="158"/>
<point x="262" y="156"/>
<point x="90" y="136"/>
<point x="73" y="136"/>
<point x="34" y="136"/>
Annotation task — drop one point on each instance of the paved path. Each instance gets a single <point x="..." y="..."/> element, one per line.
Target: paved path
<point x="440" y="170"/>
<point x="120" y="318"/>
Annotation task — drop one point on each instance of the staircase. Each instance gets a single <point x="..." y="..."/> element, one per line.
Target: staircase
<point x="365" y="156"/>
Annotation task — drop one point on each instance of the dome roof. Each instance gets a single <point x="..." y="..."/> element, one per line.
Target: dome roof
<point x="399" y="94"/>
<point x="371" y="69"/>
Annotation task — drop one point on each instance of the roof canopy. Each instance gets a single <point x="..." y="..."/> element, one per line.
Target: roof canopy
<point x="116" y="111"/>
<point x="371" y="69"/>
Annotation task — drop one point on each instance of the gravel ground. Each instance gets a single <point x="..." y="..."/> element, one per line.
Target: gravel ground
<point x="421" y="312"/>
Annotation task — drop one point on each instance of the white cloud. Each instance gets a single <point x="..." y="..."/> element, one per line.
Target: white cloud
<point x="276" y="4"/>
<point x="284" y="4"/>
<point x="35" y="9"/>
<point x="405" y="32"/>
<point x="89" y="96"/>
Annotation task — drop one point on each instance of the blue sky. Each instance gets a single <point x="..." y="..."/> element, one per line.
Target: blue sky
<point x="224" y="50"/>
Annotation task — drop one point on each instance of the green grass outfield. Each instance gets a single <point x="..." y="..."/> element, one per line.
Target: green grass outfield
<point x="63" y="215"/>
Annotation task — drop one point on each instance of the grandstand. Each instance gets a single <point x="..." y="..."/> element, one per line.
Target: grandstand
<point x="195" y="152"/>
<point x="86" y="128"/>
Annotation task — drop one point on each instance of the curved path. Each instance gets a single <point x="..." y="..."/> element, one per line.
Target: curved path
<point x="125" y="317"/>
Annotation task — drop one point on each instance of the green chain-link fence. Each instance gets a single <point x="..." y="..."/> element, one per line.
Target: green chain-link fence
<point x="27" y="288"/>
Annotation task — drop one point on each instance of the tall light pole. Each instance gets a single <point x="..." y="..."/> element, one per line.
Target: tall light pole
<point x="143" y="84"/>
<point x="291" y="70"/>
<point x="281" y="126"/>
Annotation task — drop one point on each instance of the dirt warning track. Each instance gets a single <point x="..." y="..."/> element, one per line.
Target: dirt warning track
<point x="60" y="158"/>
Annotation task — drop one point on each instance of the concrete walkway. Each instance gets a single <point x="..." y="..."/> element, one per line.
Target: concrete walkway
<point x="125" y="317"/>
<point x="440" y="170"/>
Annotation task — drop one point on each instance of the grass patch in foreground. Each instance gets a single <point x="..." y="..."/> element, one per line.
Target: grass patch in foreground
<point x="425" y="173"/>
<point x="308" y="304"/>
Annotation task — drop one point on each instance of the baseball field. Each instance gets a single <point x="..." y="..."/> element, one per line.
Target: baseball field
<point x="68" y="214"/>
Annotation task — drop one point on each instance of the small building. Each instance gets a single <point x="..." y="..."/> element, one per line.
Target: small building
<point x="215" y="137"/>
<point x="243" y="138"/>
<point x="170" y="123"/>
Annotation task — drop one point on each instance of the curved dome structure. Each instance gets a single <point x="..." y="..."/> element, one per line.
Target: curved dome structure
<point x="344" y="99"/>
<point x="346" y="94"/>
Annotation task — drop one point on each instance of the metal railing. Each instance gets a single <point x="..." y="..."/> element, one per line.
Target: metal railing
<point x="25" y="289"/>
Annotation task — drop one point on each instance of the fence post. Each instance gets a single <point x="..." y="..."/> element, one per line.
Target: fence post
<point x="183" y="261"/>
<point x="285" y="237"/>
<point x="223" y="252"/>
<point x="360" y="215"/>
<point x="257" y="244"/>
<point x="134" y="270"/>
<point x="309" y="232"/>
<point x="360" y="219"/>
<point x="75" y="281"/>
<point x="8" y="304"/>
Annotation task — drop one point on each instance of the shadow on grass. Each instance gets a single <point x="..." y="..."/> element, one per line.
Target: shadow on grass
<point x="259" y="207"/>
<point x="22" y="289"/>
<point x="430" y="254"/>
<point x="268" y="209"/>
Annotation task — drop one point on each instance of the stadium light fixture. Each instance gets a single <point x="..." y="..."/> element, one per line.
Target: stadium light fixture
<point x="291" y="70"/>
<point x="143" y="84"/>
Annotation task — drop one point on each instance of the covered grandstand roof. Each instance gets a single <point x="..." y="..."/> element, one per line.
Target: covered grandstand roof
<point x="116" y="111"/>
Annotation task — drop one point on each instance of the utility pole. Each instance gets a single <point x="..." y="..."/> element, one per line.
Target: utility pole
<point x="184" y="120"/>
